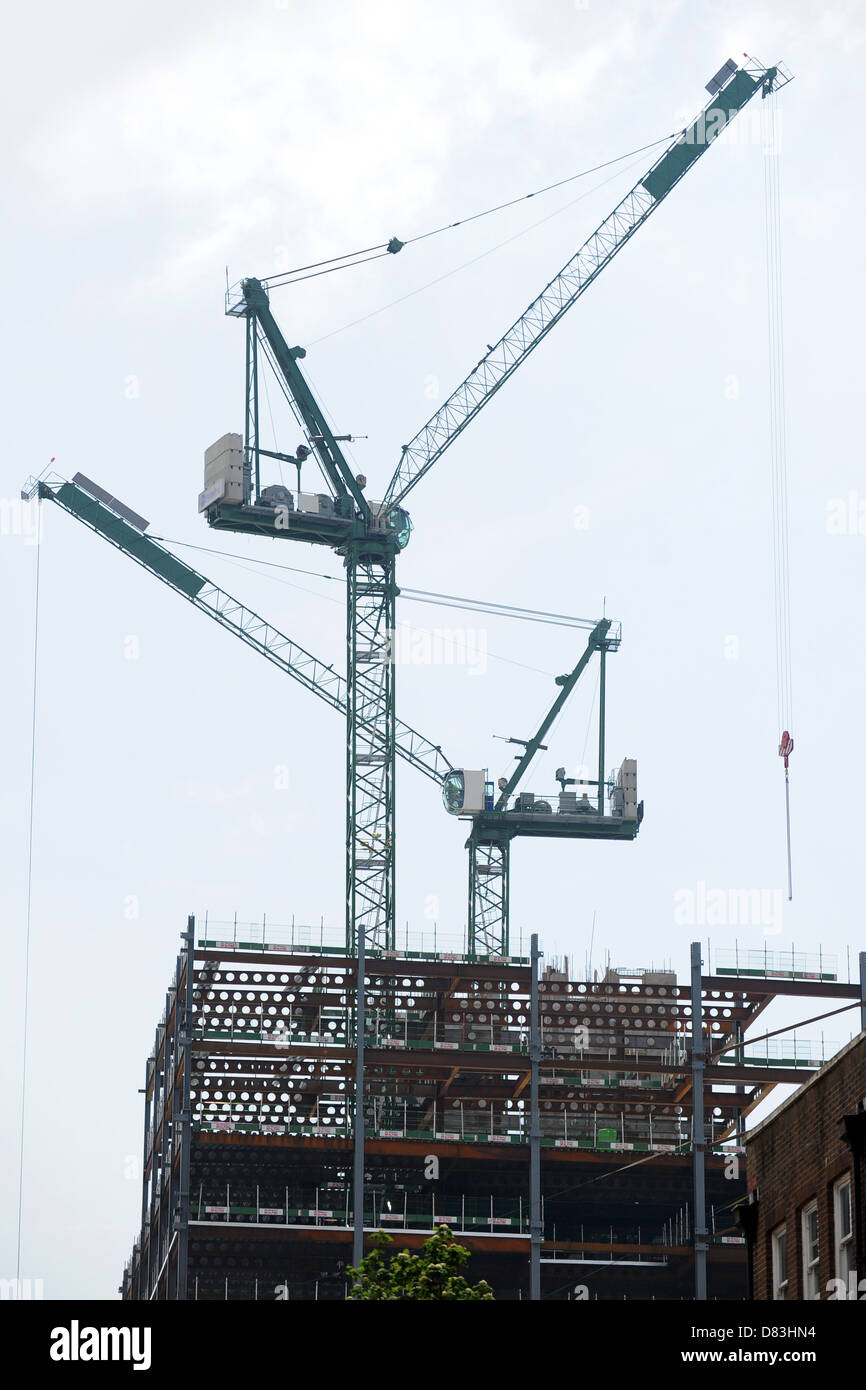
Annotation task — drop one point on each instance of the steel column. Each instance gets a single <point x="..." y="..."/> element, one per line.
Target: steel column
<point x="358" y="1127"/>
<point x="251" y="420"/>
<point x="535" y="1226"/>
<point x="698" y="1138"/>
<point x="602" y="654"/>
<point x="185" y="1137"/>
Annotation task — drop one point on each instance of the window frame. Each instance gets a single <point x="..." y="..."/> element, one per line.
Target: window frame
<point x="810" y="1262"/>
<point x="778" y="1267"/>
<point x="843" y="1245"/>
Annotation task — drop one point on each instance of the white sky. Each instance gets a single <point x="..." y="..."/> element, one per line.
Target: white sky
<point x="149" y="149"/>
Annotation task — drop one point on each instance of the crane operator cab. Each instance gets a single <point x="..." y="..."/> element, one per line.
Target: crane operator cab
<point x="616" y="814"/>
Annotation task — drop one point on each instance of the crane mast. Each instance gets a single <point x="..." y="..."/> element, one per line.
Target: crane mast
<point x="368" y="538"/>
<point x="495" y="824"/>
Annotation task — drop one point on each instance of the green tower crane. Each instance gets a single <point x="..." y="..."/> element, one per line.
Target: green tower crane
<point x="616" y="814"/>
<point x="368" y="536"/>
<point x="493" y="826"/>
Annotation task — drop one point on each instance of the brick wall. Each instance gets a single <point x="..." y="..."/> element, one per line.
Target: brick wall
<point x="795" y="1157"/>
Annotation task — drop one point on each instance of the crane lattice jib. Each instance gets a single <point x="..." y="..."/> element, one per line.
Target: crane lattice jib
<point x="598" y="640"/>
<point x="558" y="296"/>
<point x="291" y="658"/>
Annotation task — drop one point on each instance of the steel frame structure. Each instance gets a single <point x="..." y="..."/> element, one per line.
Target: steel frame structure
<point x="249" y="1131"/>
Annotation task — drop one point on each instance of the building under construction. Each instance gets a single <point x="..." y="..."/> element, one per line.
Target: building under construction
<point x="248" y="1135"/>
<point x="595" y="1126"/>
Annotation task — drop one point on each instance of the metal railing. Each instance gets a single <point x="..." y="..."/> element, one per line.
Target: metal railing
<point x="790" y="965"/>
<point x="790" y="1052"/>
<point x="562" y="1124"/>
<point x="386" y="1208"/>
<point x="317" y="938"/>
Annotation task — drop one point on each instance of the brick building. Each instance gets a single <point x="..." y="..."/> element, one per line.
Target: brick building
<point x="805" y="1217"/>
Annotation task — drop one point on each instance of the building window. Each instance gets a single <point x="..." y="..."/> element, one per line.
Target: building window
<point x="811" y="1290"/>
<point x="843" y="1220"/>
<point x="780" y="1263"/>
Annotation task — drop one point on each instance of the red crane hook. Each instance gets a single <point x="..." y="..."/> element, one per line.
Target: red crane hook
<point x="786" y="747"/>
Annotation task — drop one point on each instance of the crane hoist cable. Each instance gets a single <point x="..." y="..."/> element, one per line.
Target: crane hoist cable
<point x="779" y="489"/>
<point x="523" y="197"/>
<point x="474" y="260"/>
<point x="266" y="349"/>
<point x="589" y="720"/>
<point x="29" y="894"/>
<point x="425" y="596"/>
<point x="551" y="732"/>
<point x="394" y="245"/>
<point x="245" y="562"/>
<point x="263" y="340"/>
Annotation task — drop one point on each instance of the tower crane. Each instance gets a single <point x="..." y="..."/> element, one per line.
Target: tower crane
<point x="468" y="793"/>
<point x="493" y="826"/>
<point x="368" y="535"/>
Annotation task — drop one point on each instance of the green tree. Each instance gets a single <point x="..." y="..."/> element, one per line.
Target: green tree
<point x="434" y="1273"/>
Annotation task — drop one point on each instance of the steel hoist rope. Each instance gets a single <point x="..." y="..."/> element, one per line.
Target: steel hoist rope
<point x="778" y="446"/>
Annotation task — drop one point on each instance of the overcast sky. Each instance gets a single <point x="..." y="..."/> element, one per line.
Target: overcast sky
<point x="626" y="463"/>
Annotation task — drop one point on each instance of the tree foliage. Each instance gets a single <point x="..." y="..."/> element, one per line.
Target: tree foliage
<point x="433" y="1273"/>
